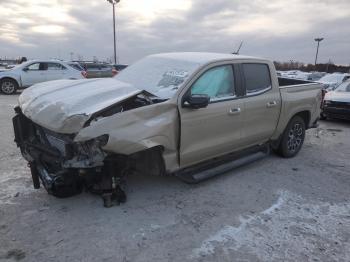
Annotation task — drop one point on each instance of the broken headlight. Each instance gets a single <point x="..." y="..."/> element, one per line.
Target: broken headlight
<point x="101" y="140"/>
<point x="91" y="145"/>
<point x="88" y="153"/>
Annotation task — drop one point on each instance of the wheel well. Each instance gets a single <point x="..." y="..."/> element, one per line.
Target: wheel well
<point x="149" y="161"/>
<point x="305" y="115"/>
<point x="6" y="77"/>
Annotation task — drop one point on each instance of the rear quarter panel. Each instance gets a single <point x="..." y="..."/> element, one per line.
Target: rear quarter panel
<point x="296" y="99"/>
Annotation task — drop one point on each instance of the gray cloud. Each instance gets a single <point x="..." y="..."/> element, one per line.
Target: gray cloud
<point x="276" y="29"/>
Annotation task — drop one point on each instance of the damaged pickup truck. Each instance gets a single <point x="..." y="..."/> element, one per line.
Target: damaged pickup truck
<point x="193" y="115"/>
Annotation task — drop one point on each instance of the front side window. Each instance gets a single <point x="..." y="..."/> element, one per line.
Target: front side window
<point x="217" y="83"/>
<point x="257" y="78"/>
<point x="34" y="66"/>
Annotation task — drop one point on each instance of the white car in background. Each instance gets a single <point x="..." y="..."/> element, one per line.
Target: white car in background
<point x="331" y="81"/>
<point x="37" y="71"/>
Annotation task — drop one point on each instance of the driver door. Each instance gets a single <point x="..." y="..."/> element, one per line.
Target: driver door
<point x="216" y="129"/>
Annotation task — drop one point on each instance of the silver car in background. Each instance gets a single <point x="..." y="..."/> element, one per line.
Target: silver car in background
<point x="37" y="71"/>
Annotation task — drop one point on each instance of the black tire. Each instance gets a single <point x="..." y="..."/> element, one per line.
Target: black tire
<point x="8" y="86"/>
<point x="292" y="138"/>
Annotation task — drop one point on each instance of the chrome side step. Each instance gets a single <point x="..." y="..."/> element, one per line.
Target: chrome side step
<point x="197" y="174"/>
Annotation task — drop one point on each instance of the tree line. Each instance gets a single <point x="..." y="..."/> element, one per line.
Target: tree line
<point x="295" y="65"/>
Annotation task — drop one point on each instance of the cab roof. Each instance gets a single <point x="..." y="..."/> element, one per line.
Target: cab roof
<point x="202" y="57"/>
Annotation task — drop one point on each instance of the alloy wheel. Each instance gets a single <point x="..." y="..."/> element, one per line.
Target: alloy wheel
<point x="7" y="87"/>
<point x="295" y="137"/>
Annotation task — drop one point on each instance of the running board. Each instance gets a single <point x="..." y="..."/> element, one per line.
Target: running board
<point x="194" y="175"/>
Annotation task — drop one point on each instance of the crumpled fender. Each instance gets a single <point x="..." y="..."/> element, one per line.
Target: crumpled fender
<point x="137" y="130"/>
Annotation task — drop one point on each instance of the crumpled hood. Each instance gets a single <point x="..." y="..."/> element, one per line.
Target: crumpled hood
<point x="65" y="105"/>
<point x="338" y="96"/>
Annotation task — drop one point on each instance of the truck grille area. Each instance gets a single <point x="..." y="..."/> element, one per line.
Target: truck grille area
<point x="57" y="143"/>
<point x="37" y="142"/>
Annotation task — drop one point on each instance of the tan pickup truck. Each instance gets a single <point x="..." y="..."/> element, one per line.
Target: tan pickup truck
<point x="193" y="115"/>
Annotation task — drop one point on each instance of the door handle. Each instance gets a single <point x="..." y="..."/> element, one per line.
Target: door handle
<point x="271" y="104"/>
<point x="234" y="111"/>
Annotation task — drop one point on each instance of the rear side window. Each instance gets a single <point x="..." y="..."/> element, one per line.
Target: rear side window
<point x="257" y="78"/>
<point x="120" y="67"/>
<point x="55" y="66"/>
<point x="104" y="67"/>
<point x="93" y="66"/>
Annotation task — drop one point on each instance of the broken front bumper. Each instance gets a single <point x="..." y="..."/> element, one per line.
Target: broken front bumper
<point x="55" y="158"/>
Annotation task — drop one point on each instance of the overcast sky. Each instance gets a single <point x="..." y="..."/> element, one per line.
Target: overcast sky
<point x="277" y="29"/>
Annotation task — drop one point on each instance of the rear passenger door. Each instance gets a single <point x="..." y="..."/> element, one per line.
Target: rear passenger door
<point x="55" y="71"/>
<point x="262" y="103"/>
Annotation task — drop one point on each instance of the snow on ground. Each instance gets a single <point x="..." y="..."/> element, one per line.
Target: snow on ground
<point x="291" y="224"/>
<point x="273" y="210"/>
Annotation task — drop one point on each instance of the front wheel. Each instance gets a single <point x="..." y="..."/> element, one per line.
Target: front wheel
<point x="292" y="138"/>
<point x="8" y="86"/>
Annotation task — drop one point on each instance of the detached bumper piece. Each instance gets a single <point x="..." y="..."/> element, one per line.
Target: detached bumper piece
<point x="65" y="168"/>
<point x="61" y="185"/>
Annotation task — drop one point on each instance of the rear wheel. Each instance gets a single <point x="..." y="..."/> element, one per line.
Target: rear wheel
<point x="8" y="86"/>
<point x="292" y="138"/>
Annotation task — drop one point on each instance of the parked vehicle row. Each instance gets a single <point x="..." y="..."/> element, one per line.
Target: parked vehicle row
<point x="331" y="81"/>
<point x="37" y="71"/>
<point x="177" y="113"/>
<point x="100" y="70"/>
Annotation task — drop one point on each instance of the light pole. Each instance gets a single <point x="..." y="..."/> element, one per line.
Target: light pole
<point x="114" y="2"/>
<point x="318" y="40"/>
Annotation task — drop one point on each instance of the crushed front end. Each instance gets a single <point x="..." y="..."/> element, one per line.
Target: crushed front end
<point x="65" y="167"/>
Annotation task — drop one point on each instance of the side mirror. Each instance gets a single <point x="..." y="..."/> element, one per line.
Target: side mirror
<point x="196" y="101"/>
<point x="25" y="69"/>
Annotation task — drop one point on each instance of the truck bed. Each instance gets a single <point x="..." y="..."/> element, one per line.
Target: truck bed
<point x="298" y="96"/>
<point x="282" y="81"/>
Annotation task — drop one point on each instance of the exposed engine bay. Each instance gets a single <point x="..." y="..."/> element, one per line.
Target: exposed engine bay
<point x="137" y="101"/>
<point x="65" y="167"/>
